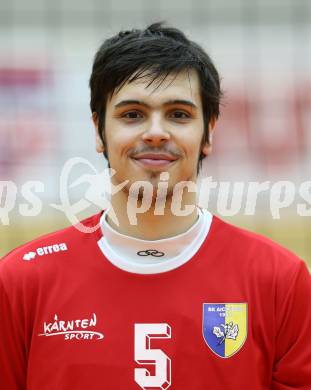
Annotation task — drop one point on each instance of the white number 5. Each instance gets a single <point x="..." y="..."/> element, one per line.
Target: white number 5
<point x="144" y="354"/>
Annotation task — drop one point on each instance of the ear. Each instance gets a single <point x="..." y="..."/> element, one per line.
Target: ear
<point x="99" y="143"/>
<point x="207" y="147"/>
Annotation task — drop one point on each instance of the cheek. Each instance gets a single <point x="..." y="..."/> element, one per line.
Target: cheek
<point x="191" y="139"/>
<point x="119" y="142"/>
<point x="192" y="148"/>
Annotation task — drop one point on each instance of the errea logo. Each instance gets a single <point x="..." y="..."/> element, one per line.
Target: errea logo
<point x="29" y="256"/>
<point x="45" y="250"/>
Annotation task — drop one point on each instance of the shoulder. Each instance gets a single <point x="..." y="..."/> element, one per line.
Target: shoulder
<point x="254" y="251"/>
<point x="271" y="272"/>
<point x="28" y="257"/>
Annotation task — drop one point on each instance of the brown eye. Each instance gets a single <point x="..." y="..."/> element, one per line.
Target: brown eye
<point x="132" y="115"/>
<point x="180" y="115"/>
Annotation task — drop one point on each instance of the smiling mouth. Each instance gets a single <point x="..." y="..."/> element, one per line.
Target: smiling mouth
<point x="153" y="163"/>
<point x="154" y="160"/>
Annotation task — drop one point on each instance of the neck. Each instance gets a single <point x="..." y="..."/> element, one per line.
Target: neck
<point x="148" y="225"/>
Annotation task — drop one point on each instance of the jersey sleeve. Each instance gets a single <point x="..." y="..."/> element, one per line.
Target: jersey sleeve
<point x="12" y="346"/>
<point x="292" y="366"/>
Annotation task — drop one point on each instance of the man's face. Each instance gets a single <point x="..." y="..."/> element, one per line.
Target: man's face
<point x="150" y="130"/>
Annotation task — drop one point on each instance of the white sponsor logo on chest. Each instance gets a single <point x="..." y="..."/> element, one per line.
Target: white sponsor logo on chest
<point x="77" y="329"/>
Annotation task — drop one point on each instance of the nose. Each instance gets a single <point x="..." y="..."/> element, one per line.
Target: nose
<point x="156" y="133"/>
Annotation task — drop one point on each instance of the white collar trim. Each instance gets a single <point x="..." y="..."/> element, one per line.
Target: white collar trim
<point x="121" y="250"/>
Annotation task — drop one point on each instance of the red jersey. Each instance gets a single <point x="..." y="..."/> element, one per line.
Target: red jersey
<point x="236" y="316"/>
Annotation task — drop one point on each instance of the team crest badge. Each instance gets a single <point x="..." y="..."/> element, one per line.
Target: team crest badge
<point x="225" y="327"/>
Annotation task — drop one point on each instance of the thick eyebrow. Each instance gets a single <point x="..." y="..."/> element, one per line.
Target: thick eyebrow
<point x="168" y="103"/>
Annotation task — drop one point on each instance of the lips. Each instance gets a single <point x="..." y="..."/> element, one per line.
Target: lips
<point x="155" y="156"/>
<point x="154" y="160"/>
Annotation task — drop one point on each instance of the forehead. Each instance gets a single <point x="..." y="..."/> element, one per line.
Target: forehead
<point x="184" y="85"/>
